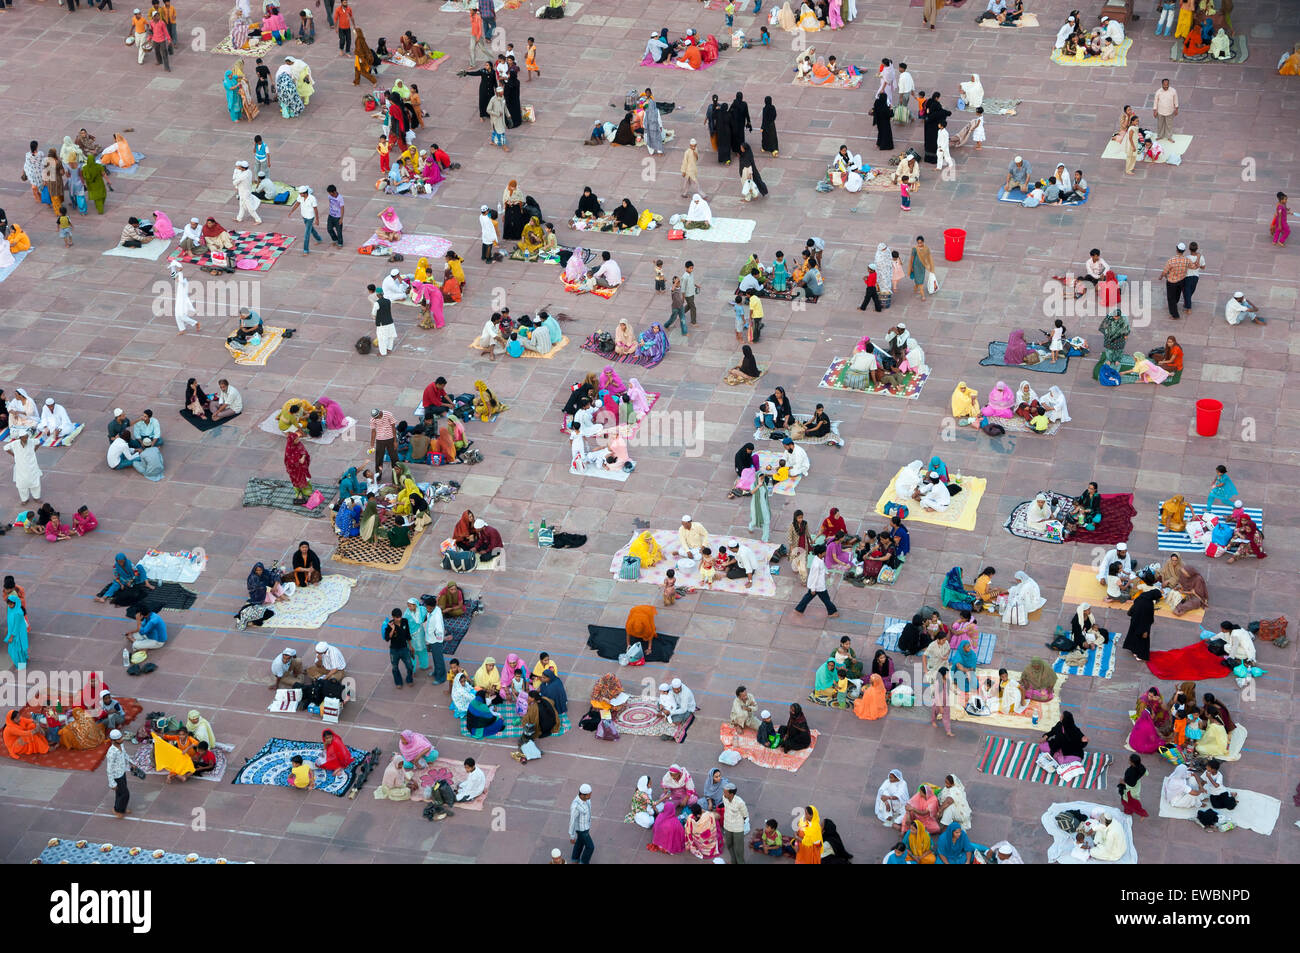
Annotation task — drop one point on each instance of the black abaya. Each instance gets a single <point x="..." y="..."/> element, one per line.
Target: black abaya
<point x="514" y="114"/>
<point x="1142" y="614"/>
<point x="769" y="127"/>
<point x="736" y="119"/>
<point x="487" y="87"/>
<point x="934" y="114"/>
<point x="625" y="136"/>
<point x="747" y="159"/>
<point x="880" y="115"/>
<point x="512" y="225"/>
<point x="722" y="121"/>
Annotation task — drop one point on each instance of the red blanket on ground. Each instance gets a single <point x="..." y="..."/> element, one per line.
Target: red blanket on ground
<point x="1117" y="514"/>
<point x="1191" y="663"/>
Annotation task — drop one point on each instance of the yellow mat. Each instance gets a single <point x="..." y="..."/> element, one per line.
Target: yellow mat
<point x="271" y="339"/>
<point x="1115" y="150"/>
<point x="960" y="513"/>
<point x="1083" y="586"/>
<point x="1121" y="57"/>
<point x="1049" y="713"/>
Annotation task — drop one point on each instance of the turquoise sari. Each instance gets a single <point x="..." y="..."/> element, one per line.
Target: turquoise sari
<point x="233" y="104"/>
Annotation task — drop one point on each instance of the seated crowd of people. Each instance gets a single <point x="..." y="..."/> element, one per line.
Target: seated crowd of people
<point x="887" y="367"/>
<point x="135" y="444"/>
<point x="598" y="415"/>
<point x="1103" y="41"/>
<point x="780" y="279"/>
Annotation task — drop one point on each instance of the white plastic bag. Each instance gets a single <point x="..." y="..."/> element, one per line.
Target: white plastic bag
<point x="931" y="282"/>
<point x="729" y="758"/>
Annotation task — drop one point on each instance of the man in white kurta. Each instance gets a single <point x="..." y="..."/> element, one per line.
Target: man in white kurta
<point x="182" y="305"/>
<point x="692" y="536"/>
<point x="680" y="703"/>
<point x="935" y="495"/>
<point x="746" y="560"/>
<point x="796" y="457"/>
<point x="394" y="288"/>
<point x="55" y="422"/>
<point x="27" y="474"/>
<point x="242" y="180"/>
<point x="942" y="150"/>
<point x="1119" y="554"/>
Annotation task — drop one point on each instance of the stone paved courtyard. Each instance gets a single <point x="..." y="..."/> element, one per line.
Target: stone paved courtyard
<point x="97" y="334"/>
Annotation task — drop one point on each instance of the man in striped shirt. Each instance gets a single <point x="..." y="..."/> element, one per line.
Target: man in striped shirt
<point x="383" y="441"/>
<point x="1174" y="273"/>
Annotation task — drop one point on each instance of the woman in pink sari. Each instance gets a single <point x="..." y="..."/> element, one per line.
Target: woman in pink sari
<point x="335" y="419"/>
<point x="575" y="268"/>
<point x="669" y="835"/>
<point x="923" y="806"/>
<point x="429" y="297"/>
<point x="640" y="402"/>
<point x="679" y="787"/>
<point x="610" y="381"/>
<point x="390" y="226"/>
<point x="1001" y="401"/>
<point x="702" y="835"/>
<point x="1279" y="228"/>
<point x="162" y="225"/>
<point x="432" y="172"/>
<point x="1144" y="739"/>
<point x="1016" y="350"/>
<point x="416" y="750"/>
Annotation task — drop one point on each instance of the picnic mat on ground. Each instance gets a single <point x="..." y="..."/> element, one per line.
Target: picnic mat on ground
<point x="894" y="628"/>
<point x="271" y="425"/>
<point x="1099" y="663"/>
<point x="87" y="760"/>
<point x="514" y="725"/>
<point x="843" y="80"/>
<point x="18" y="260"/>
<point x="203" y="423"/>
<point x="55" y="443"/>
<point x="1049" y="713"/>
<point x="1082" y="586"/>
<point x="768" y="460"/>
<point x="253" y="48"/>
<point x="1126" y="364"/>
<point x="733" y="230"/>
<point x="80" y="851"/>
<point x="265" y="248"/>
<point x="1181" y="542"/>
<point x="165" y="595"/>
<point x="185" y="566"/>
<point x="1063" y="843"/>
<point x="1121" y="57"/>
<point x="263" y="491"/>
<point x="610" y="642"/>
<point x="458" y="774"/>
<point x="834" y="379"/>
<point x="413" y="246"/>
<point x="1240" y="50"/>
<point x="142" y="758"/>
<point x="150" y="252"/>
<point x="1191" y="663"/>
<point x="455" y="628"/>
<point x="599" y="472"/>
<point x="764" y="585"/>
<point x="435" y="60"/>
<point x="744" y="742"/>
<point x="554" y="257"/>
<point x="309" y="606"/>
<point x="1017" y="197"/>
<point x="555" y="349"/>
<point x="374" y="555"/>
<point x="1117" y="514"/>
<point x="271" y="766"/>
<point x="997" y="354"/>
<point x="1020" y="425"/>
<point x="1013" y="758"/>
<point x="643" y="718"/>
<point x="1254" y="811"/>
<point x="574" y="287"/>
<point x="259" y="355"/>
<point x="600" y="223"/>
<point x="1026" y="20"/>
<point x="763" y="433"/>
<point x="636" y="357"/>
<point x="1178" y="147"/>
<point x="961" y="511"/>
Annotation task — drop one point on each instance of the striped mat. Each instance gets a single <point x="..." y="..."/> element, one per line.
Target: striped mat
<point x="1100" y="663"/>
<point x="1181" y="542"/>
<point x="894" y="628"/>
<point x="1009" y="758"/>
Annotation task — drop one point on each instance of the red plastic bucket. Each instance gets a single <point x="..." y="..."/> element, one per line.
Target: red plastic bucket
<point x="1208" y="412"/>
<point x="954" y="243"/>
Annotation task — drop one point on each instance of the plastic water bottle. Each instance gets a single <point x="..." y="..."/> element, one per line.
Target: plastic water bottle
<point x="531" y="528"/>
<point x="126" y="658"/>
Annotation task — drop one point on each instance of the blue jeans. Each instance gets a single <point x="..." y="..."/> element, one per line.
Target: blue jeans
<point x="823" y="596"/>
<point x="122" y="464"/>
<point x="439" y="663"/>
<point x="583" y="848"/>
<point x="403" y="656"/>
<point x="1189" y="288"/>
<point x="765" y="420"/>
<point x="309" y="230"/>
<point x="679" y="315"/>
<point x="489" y="27"/>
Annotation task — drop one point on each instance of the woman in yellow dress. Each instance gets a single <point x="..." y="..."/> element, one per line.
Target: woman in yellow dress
<point x="808" y="21"/>
<point x="532" y="238"/>
<point x="294" y="413"/>
<point x="1184" y="26"/>
<point x="965" y="401"/>
<point x="809" y="837"/>
<point x="18" y="240"/>
<point x="646" y="549"/>
<point x="920" y="850"/>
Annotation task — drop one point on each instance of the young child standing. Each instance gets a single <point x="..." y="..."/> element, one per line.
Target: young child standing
<point x="977" y="134"/>
<point x="382" y="149"/>
<point x="530" y="60"/>
<point x="261" y="158"/>
<point x="707" y="570"/>
<point x="670" y="587"/>
<point x="65" y="228"/>
<point x="729" y="11"/>
<point x="678" y="304"/>
<point x="263" y="82"/>
<point x="905" y="195"/>
<point x="1057" y="344"/>
<point x="661" y="283"/>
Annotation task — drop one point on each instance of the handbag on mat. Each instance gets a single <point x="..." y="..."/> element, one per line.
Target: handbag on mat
<point x="606" y="731"/>
<point x="630" y="569"/>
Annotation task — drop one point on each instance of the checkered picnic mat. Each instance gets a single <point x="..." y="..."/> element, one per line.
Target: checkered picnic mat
<point x="262" y="247"/>
<point x="260" y="491"/>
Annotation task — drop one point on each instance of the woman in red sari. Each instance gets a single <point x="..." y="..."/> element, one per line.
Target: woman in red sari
<point x="297" y="462"/>
<point x="336" y="757"/>
<point x="834" y="523"/>
<point x="1154" y="704"/>
<point x="1248" y="540"/>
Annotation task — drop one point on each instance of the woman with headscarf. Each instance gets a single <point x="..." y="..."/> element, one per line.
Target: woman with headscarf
<point x="297" y="463"/>
<point x="588" y="207"/>
<point x="769" y="143"/>
<point x="914" y="639"/>
<point x="883" y="266"/>
<point x="760" y="511"/>
<point x="364" y="61"/>
<point x="640" y="400"/>
<point x="264" y="585"/>
<point x="746" y="372"/>
<point x="305" y="567"/>
<point x="711" y="791"/>
<point x="1016" y="350"/>
<point x="678" y="786"/>
<point x="873" y="704"/>
<point x="624" y="339"/>
<point x="798" y="544"/>
<point x="721" y="128"/>
<point x="1065" y="739"/>
<point x="954" y="807"/>
<point x="216" y="238"/>
<point x="642" y="809"/>
<point x="513" y="669"/>
<point x="808" y="835"/>
<point x="624" y="135"/>
<point x="934" y="114"/>
<point x="416" y="750"/>
<point x="922" y="808"/>
<point x="486" y="405"/>
<point x="833" y="850"/>
<point x="16" y="636"/>
<point x="746" y="155"/>
<point x="22" y="736"/>
<point x="234" y="104"/>
<point x="625" y="214"/>
<point x="698" y="214"/>
<point x="481" y="721"/>
<point x="92" y="174"/>
<point x="1142" y="614"/>
<point x="880" y="118"/>
<point x="512" y="202"/>
<point x="1084" y="631"/>
<point x="920" y="847"/>
<point x="973" y="93"/>
<point x="891" y="800"/>
<point x="286" y="87"/>
<point x="795" y="734"/>
<point x="1023" y="598"/>
<point x="669" y="836"/>
<point x="652" y="126"/>
<point x="833" y="524"/>
<point x="953" y="846"/>
<point x="514" y="111"/>
<point x="1247" y="540"/>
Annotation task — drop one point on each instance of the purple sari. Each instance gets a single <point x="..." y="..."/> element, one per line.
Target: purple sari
<point x="1016" y="348"/>
<point x="653" y="343"/>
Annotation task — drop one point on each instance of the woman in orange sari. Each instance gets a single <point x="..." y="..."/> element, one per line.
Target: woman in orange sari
<point x="22" y="736"/>
<point x="871" y="704"/>
<point x="640" y="626"/>
<point x="809" y="837"/>
<point x="119" y="153"/>
<point x="920" y="850"/>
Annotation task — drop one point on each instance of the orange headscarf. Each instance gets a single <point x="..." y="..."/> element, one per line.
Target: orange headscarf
<point x="872" y="704"/>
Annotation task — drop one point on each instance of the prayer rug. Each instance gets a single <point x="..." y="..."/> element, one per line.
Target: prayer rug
<point x="413" y="246"/>
<point x="271" y="766"/>
<point x="762" y="433"/>
<point x="150" y="252"/>
<point x="458" y="774"/>
<point x="261" y="491"/>
<point x="736" y="231"/>
<point x="81" y="851"/>
<point x="1011" y="758"/>
<point x="437" y="57"/>
<point x="514" y="725"/>
<point x="183" y="566"/>
<point x="262" y="248"/>
<point x="609" y="643"/>
<point x="894" y="628"/>
<point x="1082" y="586"/>
<point x="618" y="476"/>
<point x="1100" y="663"/>
<point x="1191" y="663"/>
<point x="164" y="595"/>
<point x="309" y="606"/>
<point x="1177" y="148"/>
<point x="1037" y="717"/>
<point x="961" y="511"/>
<point x="1121" y="57"/>
<point x="604" y="223"/>
<point x="1000" y="107"/>
<point x="997" y="358"/>
<point x="1062" y="849"/>
<point x="18" y="260"/>
<point x="1017" y="197"/>
<point x="744" y="742"/>
<point x="672" y="64"/>
<point x="768" y="460"/>
<point x="643" y="718"/>
<point x="574" y="287"/>
<point x="455" y="628"/>
<point x="1026" y="20"/>
<point x="259" y="355"/>
<point x="55" y="443"/>
<point x="1254" y="811"/>
<point x="554" y="258"/>
<point x="1240" y="50"/>
<point x="253" y="48"/>
<point x="1181" y="542"/>
<point x="59" y="757"/>
<point x="636" y="357"/>
<point x="1126" y="364"/>
<point x="203" y="423"/>
<point x="737" y="381"/>
<point x="1020" y="425"/>
<point x="764" y="584"/>
<point x="374" y="555"/>
<point x="834" y="379"/>
<point x="271" y="425"/>
<point x="142" y="758"/>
